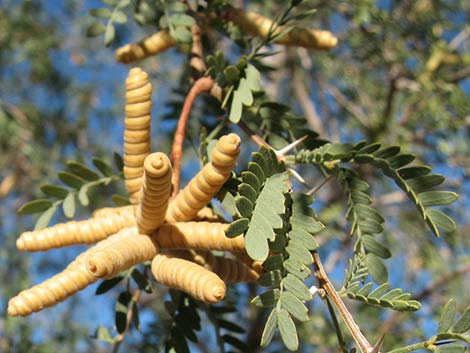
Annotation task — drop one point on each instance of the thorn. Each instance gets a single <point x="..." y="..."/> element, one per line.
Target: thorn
<point x="378" y="344"/>
<point x="290" y="146"/>
<point x="297" y="176"/>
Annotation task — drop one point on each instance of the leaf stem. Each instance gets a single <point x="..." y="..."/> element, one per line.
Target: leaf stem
<point x="410" y="348"/>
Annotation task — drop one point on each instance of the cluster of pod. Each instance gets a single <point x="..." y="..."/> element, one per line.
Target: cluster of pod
<point x="248" y="21"/>
<point x="177" y="234"/>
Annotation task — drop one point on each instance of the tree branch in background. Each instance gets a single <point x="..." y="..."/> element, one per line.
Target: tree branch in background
<point x="303" y="95"/>
<point x="351" y="107"/>
<point x="204" y="84"/>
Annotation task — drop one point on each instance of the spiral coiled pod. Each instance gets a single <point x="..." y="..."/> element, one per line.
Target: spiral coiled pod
<point x="229" y="270"/>
<point x="207" y="214"/>
<point x="137" y="130"/>
<point x="203" y="187"/>
<point x="189" y="277"/>
<point x="155" y="193"/>
<point x="197" y="236"/>
<point x="72" y="279"/>
<point x="74" y="232"/>
<point x="132" y="250"/>
<point x="258" y="25"/>
<point x="106" y="211"/>
<point x="152" y="45"/>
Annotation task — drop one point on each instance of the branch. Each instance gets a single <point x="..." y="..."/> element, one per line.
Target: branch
<point x="307" y="104"/>
<point x="351" y="107"/>
<point x="120" y="338"/>
<point x="198" y="67"/>
<point x="353" y="328"/>
<point x="203" y="84"/>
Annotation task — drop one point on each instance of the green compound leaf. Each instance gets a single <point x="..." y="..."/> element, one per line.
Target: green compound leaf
<point x="451" y="348"/>
<point x="383" y="297"/>
<point x="71" y="180"/>
<point x="269" y="329"/>
<point x="294" y="306"/>
<point x="267" y="299"/>
<point x="287" y="329"/>
<point x="235" y="342"/>
<point x="102" y="166"/>
<point x="437" y="198"/>
<point x="266" y="216"/>
<point x="441" y="220"/>
<point x="296" y="287"/>
<point x="270" y="279"/>
<point x="121" y="309"/>
<point x="95" y="29"/>
<point x="299" y="252"/>
<point x="69" y="205"/>
<point x="101" y="13"/>
<point x="297" y="268"/>
<point x="109" y="34"/>
<point x="463" y="324"/>
<point x="373" y="246"/>
<point x="83" y="195"/>
<point x="237" y="227"/>
<point x="242" y="95"/>
<point x="108" y="284"/>
<point x="244" y="206"/>
<point x="54" y="191"/>
<point x="119" y="17"/>
<point x="82" y="171"/>
<point x="35" y="206"/>
<point x="45" y="218"/>
<point x="447" y="316"/>
<point x="273" y="262"/>
<point x="377" y="269"/>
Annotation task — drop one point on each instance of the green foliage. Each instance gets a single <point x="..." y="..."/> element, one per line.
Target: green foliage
<point x="81" y="179"/>
<point x="395" y="78"/>
<point x="112" y="17"/>
<point x="287" y="270"/>
<point x="184" y="322"/>
<point x="415" y="181"/>
<point x="260" y="203"/>
<point x="381" y="296"/>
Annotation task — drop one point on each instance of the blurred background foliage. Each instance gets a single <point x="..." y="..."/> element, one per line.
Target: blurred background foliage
<point x="400" y="75"/>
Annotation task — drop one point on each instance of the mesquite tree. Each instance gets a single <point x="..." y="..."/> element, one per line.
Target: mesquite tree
<point x="280" y="202"/>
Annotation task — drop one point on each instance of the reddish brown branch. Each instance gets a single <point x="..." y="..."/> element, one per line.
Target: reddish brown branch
<point x="198" y="67"/>
<point x="204" y="84"/>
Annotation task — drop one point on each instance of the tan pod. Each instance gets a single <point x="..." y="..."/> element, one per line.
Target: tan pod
<point x="229" y="270"/>
<point x="152" y="45"/>
<point x="203" y="187"/>
<point x="107" y="211"/>
<point x="134" y="249"/>
<point x="207" y="214"/>
<point x="75" y="232"/>
<point x="258" y="25"/>
<point x="137" y="130"/>
<point x="155" y="193"/>
<point x="189" y="277"/>
<point x="73" y="278"/>
<point x="197" y="236"/>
